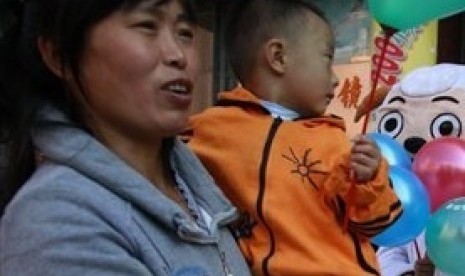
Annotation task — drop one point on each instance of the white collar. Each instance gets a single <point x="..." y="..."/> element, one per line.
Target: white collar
<point x="279" y="111"/>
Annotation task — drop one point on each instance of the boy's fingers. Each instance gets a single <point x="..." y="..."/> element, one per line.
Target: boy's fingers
<point x="362" y="173"/>
<point x="362" y="139"/>
<point x="363" y="159"/>
<point x="365" y="149"/>
<point x="365" y="153"/>
<point x="368" y="148"/>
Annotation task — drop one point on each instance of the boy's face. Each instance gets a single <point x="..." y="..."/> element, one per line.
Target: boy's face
<point x="309" y="80"/>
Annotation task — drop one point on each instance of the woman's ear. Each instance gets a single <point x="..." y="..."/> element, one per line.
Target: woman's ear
<point x="275" y="54"/>
<point x="49" y="56"/>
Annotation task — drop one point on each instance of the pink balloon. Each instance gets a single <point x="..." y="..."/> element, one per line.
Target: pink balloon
<point x="440" y="164"/>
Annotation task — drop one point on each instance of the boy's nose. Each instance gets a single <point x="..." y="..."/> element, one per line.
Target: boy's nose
<point x="334" y="80"/>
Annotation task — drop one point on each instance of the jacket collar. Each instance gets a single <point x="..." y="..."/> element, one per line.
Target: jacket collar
<point x="242" y="97"/>
<point x="62" y="142"/>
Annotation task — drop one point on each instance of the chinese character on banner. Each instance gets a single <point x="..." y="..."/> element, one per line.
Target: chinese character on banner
<point x="350" y="92"/>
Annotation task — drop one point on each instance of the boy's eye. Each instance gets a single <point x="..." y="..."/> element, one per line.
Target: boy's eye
<point x="329" y="56"/>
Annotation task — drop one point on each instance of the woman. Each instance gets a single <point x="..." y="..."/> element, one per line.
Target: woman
<point x="97" y="91"/>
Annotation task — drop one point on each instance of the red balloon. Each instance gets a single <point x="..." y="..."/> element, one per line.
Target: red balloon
<point x="440" y="164"/>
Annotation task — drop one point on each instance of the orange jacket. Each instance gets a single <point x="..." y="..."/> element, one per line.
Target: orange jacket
<point x="290" y="179"/>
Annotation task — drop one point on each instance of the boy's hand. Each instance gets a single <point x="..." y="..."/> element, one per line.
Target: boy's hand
<point x="365" y="158"/>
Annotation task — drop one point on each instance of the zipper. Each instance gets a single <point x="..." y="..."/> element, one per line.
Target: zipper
<point x="261" y="193"/>
<point x="360" y="258"/>
<point x="226" y="270"/>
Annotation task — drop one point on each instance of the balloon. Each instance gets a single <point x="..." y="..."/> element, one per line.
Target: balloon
<point x="394" y="152"/>
<point x="406" y="14"/>
<point x="440" y="164"/>
<point x="415" y="204"/>
<point x="445" y="237"/>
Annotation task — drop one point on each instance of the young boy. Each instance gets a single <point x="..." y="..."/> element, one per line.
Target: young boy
<point x="311" y="200"/>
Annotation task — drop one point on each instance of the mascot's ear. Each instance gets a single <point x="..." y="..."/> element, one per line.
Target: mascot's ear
<point x="378" y="99"/>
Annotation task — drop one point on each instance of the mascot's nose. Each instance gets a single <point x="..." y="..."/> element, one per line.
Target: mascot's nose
<point x="413" y="144"/>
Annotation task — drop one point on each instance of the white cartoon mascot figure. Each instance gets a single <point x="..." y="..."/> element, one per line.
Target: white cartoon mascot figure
<point x="426" y="104"/>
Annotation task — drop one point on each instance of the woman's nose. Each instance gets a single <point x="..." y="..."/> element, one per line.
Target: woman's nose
<point x="173" y="54"/>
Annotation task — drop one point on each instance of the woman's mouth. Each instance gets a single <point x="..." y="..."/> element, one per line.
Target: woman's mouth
<point x="179" y="91"/>
<point x="178" y="86"/>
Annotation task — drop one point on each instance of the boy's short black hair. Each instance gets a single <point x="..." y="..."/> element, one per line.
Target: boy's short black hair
<point x="252" y="22"/>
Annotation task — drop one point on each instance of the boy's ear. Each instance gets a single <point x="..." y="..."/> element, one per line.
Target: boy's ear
<point x="49" y="56"/>
<point x="275" y="54"/>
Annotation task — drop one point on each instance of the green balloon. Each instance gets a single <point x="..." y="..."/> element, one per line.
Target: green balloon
<point x="445" y="237"/>
<point x="406" y="14"/>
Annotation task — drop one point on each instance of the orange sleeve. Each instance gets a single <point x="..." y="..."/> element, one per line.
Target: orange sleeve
<point x="370" y="207"/>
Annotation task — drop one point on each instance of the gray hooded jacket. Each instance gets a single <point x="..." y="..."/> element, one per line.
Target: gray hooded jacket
<point x="86" y="212"/>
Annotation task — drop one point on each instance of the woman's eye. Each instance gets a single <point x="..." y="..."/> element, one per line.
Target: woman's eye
<point x="186" y="34"/>
<point x="148" y="25"/>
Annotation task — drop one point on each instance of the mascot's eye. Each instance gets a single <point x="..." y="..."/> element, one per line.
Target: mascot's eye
<point x="391" y="124"/>
<point x="446" y="124"/>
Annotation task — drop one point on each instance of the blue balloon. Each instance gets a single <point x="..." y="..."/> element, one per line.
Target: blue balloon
<point x="445" y="237"/>
<point x="394" y="153"/>
<point x="416" y="209"/>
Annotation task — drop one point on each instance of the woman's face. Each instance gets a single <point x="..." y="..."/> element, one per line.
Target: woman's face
<point x="137" y="71"/>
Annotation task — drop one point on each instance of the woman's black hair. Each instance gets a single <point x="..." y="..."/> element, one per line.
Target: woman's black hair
<point x="25" y="82"/>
